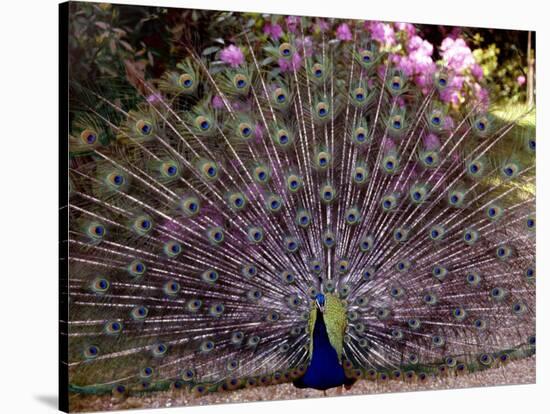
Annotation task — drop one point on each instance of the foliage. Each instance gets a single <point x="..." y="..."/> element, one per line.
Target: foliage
<point x="105" y="38"/>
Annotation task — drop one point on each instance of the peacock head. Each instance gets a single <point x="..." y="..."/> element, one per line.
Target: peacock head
<point x="320" y="301"/>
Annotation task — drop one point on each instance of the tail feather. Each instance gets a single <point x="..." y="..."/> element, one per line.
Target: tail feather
<point x="232" y="195"/>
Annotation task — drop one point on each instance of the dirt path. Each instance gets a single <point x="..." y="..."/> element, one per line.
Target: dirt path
<point x="516" y="372"/>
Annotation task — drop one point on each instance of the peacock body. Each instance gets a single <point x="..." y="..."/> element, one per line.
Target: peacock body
<point x="300" y="212"/>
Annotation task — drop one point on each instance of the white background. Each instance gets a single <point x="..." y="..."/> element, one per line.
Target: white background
<point x="29" y="189"/>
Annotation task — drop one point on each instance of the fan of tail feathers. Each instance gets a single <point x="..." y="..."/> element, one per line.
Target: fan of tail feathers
<point x="242" y="217"/>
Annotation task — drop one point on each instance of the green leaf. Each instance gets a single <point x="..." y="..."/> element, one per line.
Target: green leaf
<point x="210" y="50"/>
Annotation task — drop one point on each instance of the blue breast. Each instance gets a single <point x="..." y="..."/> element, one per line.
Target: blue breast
<point x="324" y="370"/>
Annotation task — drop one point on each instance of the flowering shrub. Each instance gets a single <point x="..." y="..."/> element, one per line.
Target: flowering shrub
<point x="414" y="56"/>
<point x="405" y="48"/>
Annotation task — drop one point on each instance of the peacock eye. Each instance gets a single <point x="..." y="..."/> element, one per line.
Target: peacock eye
<point x="113" y="328"/>
<point x="390" y="164"/>
<point x="116" y="179"/>
<point x="91" y="352"/>
<point x="186" y="80"/>
<point x="485" y="359"/>
<point x="329" y="240"/>
<point x="88" y="137"/>
<point x="139" y="312"/>
<point x="322" y="109"/>
<point x="100" y="285"/>
<point x="245" y="130"/>
<point x="203" y="123"/>
<point x="171" y="170"/>
<point x="240" y="81"/>
<point x="255" y="234"/>
<point x="366" y="57"/>
<point x="120" y="389"/>
<point x="359" y="94"/>
<point x="292" y="244"/>
<point x="208" y="169"/>
<point x="136" y="268"/>
<point x="144" y="127"/>
<point x="503" y="252"/>
<point x="285" y="50"/>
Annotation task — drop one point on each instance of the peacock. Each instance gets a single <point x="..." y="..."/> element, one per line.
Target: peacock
<point x="295" y="208"/>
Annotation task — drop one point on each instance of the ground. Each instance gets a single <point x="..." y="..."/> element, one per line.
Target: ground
<point x="515" y="372"/>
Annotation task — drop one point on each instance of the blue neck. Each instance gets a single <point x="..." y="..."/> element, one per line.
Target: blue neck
<point x="324" y="370"/>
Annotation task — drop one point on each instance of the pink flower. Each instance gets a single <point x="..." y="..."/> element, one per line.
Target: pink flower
<point x="457" y="54"/>
<point x="258" y="132"/>
<point x="451" y="93"/>
<point x="406" y="27"/>
<point x="323" y="25"/>
<point x="292" y="23"/>
<point x="383" y="33"/>
<point x="305" y="45"/>
<point x="403" y="63"/>
<point x="482" y="96"/>
<point x="154" y="97"/>
<point x="292" y="64"/>
<point x="217" y="102"/>
<point x="521" y="80"/>
<point x="449" y="123"/>
<point x="418" y="64"/>
<point x="275" y="31"/>
<point x="232" y="55"/>
<point x="477" y="71"/>
<point x="400" y="102"/>
<point x="431" y="142"/>
<point x="343" y="32"/>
